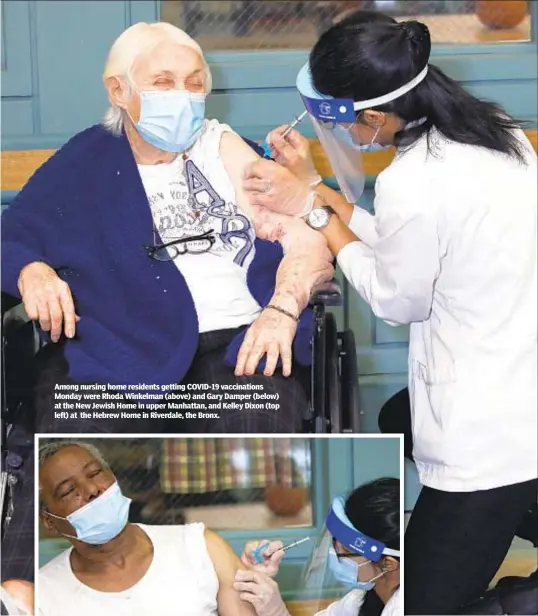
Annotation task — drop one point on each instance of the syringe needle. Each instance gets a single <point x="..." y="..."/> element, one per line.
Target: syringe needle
<point x="295" y="543"/>
<point x="267" y="148"/>
<point x="295" y="122"/>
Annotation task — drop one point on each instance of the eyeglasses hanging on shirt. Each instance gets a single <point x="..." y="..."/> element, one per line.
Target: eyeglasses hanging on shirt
<point x="194" y="244"/>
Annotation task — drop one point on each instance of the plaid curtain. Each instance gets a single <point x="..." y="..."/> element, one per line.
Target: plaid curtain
<point x="197" y="466"/>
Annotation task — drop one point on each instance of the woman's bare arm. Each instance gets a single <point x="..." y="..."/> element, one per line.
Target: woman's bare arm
<point x="307" y="260"/>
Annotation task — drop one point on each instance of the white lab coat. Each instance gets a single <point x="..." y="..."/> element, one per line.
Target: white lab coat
<point x="350" y="605"/>
<point x="452" y="250"/>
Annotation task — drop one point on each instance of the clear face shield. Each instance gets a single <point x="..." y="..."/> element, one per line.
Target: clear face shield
<point x="333" y="119"/>
<point x="331" y="572"/>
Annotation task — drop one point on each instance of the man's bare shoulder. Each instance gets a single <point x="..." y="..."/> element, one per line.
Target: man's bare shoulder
<point x="220" y="552"/>
<point x="226" y="563"/>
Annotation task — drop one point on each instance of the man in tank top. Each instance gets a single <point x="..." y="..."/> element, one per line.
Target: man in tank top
<point x="115" y="568"/>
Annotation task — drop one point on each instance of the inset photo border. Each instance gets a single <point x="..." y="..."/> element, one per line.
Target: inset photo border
<point x="229" y="519"/>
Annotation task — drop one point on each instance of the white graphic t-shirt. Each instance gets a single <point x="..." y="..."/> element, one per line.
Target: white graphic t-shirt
<point x="189" y="198"/>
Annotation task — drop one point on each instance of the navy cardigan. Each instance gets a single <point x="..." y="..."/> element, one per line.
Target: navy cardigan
<point x="85" y="213"/>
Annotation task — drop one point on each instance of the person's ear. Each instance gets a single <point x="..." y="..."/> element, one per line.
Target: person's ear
<point x="374" y="119"/>
<point x="390" y="564"/>
<point x="47" y="523"/>
<point x="118" y="91"/>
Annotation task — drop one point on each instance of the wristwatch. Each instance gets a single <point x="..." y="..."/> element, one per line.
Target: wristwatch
<point x="319" y="217"/>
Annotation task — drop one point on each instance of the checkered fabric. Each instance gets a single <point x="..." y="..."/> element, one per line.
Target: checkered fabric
<point x="196" y="466"/>
<point x="18" y="541"/>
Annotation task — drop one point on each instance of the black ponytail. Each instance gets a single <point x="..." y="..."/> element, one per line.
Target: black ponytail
<point x="364" y="57"/>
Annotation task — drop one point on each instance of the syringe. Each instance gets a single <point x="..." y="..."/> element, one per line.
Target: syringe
<point x="257" y="552"/>
<point x="292" y="545"/>
<point x="298" y="119"/>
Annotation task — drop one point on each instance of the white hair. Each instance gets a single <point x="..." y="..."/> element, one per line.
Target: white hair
<point x="136" y="40"/>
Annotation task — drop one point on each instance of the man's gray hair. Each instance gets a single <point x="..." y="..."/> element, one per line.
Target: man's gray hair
<point x="49" y="449"/>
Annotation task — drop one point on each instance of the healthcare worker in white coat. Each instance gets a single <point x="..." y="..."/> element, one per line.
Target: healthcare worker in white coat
<point x="357" y="555"/>
<point x="452" y="251"/>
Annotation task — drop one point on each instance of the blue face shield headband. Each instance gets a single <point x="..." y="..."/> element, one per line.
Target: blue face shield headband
<point x="344" y="532"/>
<point x="345" y="569"/>
<point x="332" y="119"/>
<point x="327" y="109"/>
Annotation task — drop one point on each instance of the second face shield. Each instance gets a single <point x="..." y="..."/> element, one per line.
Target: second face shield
<point x="326" y="577"/>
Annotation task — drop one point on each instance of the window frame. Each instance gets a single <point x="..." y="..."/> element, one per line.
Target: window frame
<point x="488" y="66"/>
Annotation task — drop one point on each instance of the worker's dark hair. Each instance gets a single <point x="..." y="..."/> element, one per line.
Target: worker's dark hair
<point x="374" y="509"/>
<point x="369" y="54"/>
<point x="357" y="18"/>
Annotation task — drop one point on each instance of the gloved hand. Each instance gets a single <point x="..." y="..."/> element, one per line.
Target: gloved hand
<point x="261" y="592"/>
<point x="273" y="186"/>
<point x="293" y="152"/>
<point x="272" y="556"/>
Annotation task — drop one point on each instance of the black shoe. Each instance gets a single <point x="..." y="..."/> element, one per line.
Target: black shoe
<point x="512" y="595"/>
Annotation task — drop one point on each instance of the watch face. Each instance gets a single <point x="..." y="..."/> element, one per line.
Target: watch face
<point x="318" y="218"/>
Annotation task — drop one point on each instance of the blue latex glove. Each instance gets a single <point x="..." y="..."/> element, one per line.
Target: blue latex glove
<point x="266" y="150"/>
<point x="257" y="553"/>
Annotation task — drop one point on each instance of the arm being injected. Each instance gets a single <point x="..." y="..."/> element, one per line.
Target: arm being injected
<point x="307" y="261"/>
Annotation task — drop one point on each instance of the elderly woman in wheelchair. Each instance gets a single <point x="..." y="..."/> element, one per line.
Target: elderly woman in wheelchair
<point x="137" y="251"/>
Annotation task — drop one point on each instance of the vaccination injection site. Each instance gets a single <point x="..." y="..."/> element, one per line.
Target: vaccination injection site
<point x="269" y="279"/>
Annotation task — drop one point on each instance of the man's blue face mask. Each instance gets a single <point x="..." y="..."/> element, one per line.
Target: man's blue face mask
<point x="100" y="520"/>
<point x="346" y="571"/>
<point x="171" y="120"/>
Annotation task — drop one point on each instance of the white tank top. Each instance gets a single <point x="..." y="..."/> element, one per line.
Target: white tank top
<point x="180" y="580"/>
<point x="190" y="197"/>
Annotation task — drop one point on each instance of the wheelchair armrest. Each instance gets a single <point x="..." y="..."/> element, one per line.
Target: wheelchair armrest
<point x="327" y="294"/>
<point x="9" y="302"/>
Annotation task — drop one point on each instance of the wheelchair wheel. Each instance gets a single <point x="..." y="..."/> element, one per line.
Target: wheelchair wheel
<point x="349" y="382"/>
<point x="332" y="391"/>
<point x="318" y="417"/>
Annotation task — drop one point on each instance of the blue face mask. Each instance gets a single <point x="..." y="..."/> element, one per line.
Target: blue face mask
<point x="102" y="519"/>
<point x="346" y="571"/>
<point x="344" y="134"/>
<point x="171" y="120"/>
